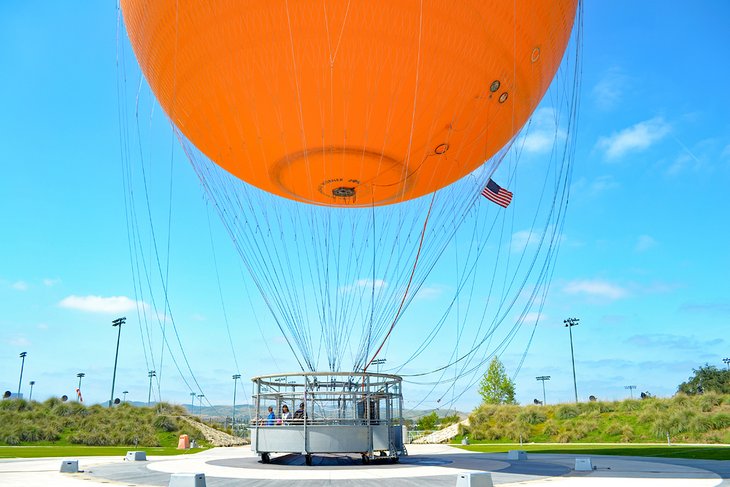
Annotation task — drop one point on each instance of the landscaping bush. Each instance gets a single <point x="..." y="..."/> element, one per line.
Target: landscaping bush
<point x="566" y="411"/>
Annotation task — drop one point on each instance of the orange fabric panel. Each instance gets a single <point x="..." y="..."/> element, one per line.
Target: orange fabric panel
<point x="349" y="103"/>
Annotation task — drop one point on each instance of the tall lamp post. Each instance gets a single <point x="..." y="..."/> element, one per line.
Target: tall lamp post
<point x="543" y="378"/>
<point x="22" y="364"/>
<point x="125" y="396"/>
<point x="200" y="407"/>
<point x="30" y="397"/>
<point x="150" y="374"/>
<point x="80" y="375"/>
<point x="233" y="415"/>
<point x="631" y="390"/>
<point x="192" y="403"/>
<point x="570" y="323"/>
<point x="118" y="322"/>
<point x="727" y="362"/>
<point x="378" y="362"/>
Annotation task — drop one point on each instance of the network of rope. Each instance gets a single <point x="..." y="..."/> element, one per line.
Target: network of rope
<point x="337" y="282"/>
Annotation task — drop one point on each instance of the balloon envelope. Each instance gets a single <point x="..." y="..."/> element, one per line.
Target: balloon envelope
<point x="349" y="103"/>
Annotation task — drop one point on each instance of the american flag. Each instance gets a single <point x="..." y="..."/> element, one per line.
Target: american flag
<point x="494" y="192"/>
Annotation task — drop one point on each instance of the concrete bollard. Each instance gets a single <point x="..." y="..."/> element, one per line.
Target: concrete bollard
<point x="517" y="455"/>
<point x="70" y="466"/>
<point x="583" y="465"/>
<point x="187" y="480"/>
<point x="481" y="479"/>
<point x="136" y="456"/>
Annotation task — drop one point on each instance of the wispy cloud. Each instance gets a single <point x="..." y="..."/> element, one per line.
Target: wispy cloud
<point x="429" y="292"/>
<point x="636" y="138"/>
<point x="613" y="319"/>
<point x="644" y="243"/>
<point x="533" y="317"/>
<point x="596" y="288"/>
<point x="725" y="154"/>
<point x="19" y="341"/>
<point x="608" y="92"/>
<point x="48" y="282"/>
<point x="542" y="132"/>
<point x="99" y="304"/>
<point x="364" y="283"/>
<point x="707" y="307"/>
<point x="20" y="286"/>
<point x="597" y="186"/>
<point x="675" y="342"/>
<point x="527" y="238"/>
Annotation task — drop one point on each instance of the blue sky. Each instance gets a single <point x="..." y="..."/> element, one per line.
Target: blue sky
<point x="643" y="260"/>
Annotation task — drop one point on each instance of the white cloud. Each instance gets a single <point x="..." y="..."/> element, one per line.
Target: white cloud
<point x="542" y="132"/>
<point x="533" y="316"/>
<point x="429" y="292"/>
<point x="526" y="238"/>
<point x="609" y="90"/>
<point x="20" y="286"/>
<point x="50" y="282"/>
<point x="364" y="283"/>
<point x="19" y="341"/>
<point x="523" y="238"/>
<point x="596" y="288"/>
<point x="635" y="138"/>
<point x="644" y="243"/>
<point x="99" y="304"/>
<point x="599" y="185"/>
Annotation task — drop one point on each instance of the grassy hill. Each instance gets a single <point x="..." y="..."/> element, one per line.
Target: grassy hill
<point x="687" y="419"/>
<point x="54" y="422"/>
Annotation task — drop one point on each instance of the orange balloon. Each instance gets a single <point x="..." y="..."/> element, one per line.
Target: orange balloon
<point x="352" y="103"/>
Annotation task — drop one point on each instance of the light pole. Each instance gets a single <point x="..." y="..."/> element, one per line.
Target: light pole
<point x="124" y="399"/>
<point x="570" y="323"/>
<point x="118" y="322"/>
<point x="22" y="364"/>
<point x="233" y="415"/>
<point x="80" y="375"/>
<point x="727" y="362"/>
<point x="378" y="362"/>
<point x="30" y="397"/>
<point x="200" y="407"/>
<point x="150" y="374"/>
<point x="192" y="403"/>
<point x="543" y="378"/>
<point x="631" y="390"/>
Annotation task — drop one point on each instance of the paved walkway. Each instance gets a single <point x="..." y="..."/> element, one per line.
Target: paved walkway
<point x="426" y="465"/>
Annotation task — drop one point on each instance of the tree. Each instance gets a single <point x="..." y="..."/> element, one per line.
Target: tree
<point x="705" y="379"/>
<point x="496" y="387"/>
<point x="428" y="422"/>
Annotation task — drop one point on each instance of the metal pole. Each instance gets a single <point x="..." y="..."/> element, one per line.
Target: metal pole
<point x="543" y="378"/>
<point x="150" y="374"/>
<point x="22" y="365"/>
<point x="30" y="397"/>
<point x="570" y="323"/>
<point x="125" y="395"/>
<point x="118" y="322"/>
<point x="727" y="362"/>
<point x="80" y="375"/>
<point x="192" y="403"/>
<point x="631" y="390"/>
<point x="233" y="415"/>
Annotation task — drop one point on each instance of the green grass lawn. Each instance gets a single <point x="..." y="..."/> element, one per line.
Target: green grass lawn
<point x="85" y="451"/>
<point x="674" y="451"/>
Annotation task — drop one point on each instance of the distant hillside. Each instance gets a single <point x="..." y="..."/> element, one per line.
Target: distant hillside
<point x="687" y="419"/>
<point x="57" y="422"/>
